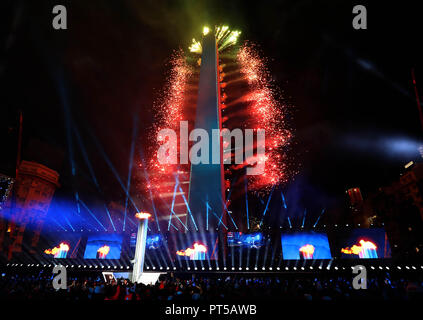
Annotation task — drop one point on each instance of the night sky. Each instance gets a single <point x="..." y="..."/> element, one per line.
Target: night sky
<point x="353" y="108"/>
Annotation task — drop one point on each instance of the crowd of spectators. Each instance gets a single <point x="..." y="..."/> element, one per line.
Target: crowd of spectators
<point x="210" y="288"/>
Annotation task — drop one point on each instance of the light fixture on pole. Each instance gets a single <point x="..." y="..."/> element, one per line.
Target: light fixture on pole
<point x="140" y="245"/>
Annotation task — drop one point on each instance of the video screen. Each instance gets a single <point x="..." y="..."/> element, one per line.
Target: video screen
<point x="193" y="246"/>
<point x="245" y="240"/>
<point x="63" y="246"/>
<point x="305" y="246"/>
<point x="153" y="241"/>
<point x="103" y="246"/>
<point x="365" y="244"/>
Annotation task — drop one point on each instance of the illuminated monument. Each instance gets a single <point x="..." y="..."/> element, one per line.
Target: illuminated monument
<point x="218" y="85"/>
<point x="207" y="191"/>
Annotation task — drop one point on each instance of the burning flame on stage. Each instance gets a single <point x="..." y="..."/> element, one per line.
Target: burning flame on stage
<point x="365" y="249"/>
<point x="58" y="252"/>
<point x="196" y="252"/>
<point x="307" y="251"/>
<point x="103" y="252"/>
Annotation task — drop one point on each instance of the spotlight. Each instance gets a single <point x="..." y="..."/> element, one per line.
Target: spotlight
<point x="286" y="268"/>
<point x="295" y="268"/>
<point x="127" y="267"/>
<point x="246" y="268"/>
<point x="398" y="267"/>
<point x="233" y="268"/>
<point x="202" y="268"/>
<point x="270" y="268"/>
<point x="154" y="268"/>
<point x="161" y="268"/>
<point x="174" y="268"/>
<point x="255" y="268"/>
<point x="239" y="268"/>
<point x="217" y="268"/>
<point x="302" y="268"/>
<point x="311" y="268"/>
<point x="167" y="268"/>
<point x="148" y="268"/>
<point x="195" y="268"/>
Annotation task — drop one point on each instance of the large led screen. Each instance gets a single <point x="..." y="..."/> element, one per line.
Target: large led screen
<point x="103" y="246"/>
<point x="62" y="246"/>
<point x="245" y="240"/>
<point x="364" y="244"/>
<point x="305" y="246"/>
<point x="195" y="246"/>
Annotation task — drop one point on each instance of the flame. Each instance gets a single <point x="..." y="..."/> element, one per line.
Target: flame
<point x="103" y="251"/>
<point x="361" y="249"/>
<point x="190" y="252"/>
<point x="307" y="251"/>
<point x="142" y="215"/>
<point x="60" y="249"/>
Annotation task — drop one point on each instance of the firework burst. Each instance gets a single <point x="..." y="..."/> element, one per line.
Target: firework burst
<point x="249" y="99"/>
<point x="224" y="38"/>
<point x="267" y="113"/>
<point x="170" y="109"/>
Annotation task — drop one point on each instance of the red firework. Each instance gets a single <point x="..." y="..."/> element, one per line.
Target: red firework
<point x="268" y="113"/>
<point x="170" y="110"/>
<point x="261" y="109"/>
